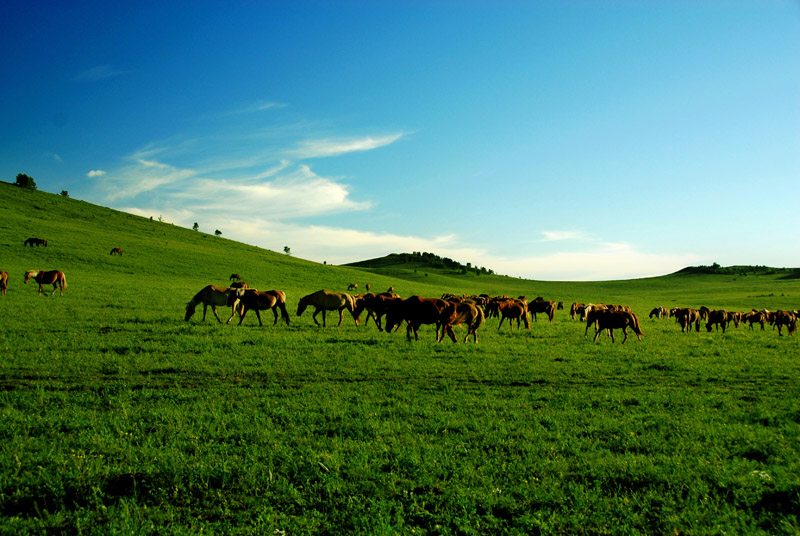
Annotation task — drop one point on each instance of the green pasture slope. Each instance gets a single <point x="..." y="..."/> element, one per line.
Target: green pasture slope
<point x="118" y="417"/>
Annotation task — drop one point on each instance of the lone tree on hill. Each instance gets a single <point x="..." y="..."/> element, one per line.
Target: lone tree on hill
<point x="25" y="181"/>
<point x="218" y="232"/>
<point x="196" y="226"/>
<point x="287" y="250"/>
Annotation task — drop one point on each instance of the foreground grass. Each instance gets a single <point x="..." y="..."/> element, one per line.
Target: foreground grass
<point x="120" y="418"/>
<point x="129" y="420"/>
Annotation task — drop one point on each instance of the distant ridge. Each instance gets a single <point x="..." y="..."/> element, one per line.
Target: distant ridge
<point x="421" y="260"/>
<point x="789" y="273"/>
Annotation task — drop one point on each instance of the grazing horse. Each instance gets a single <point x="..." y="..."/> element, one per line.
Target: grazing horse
<point x="53" y="277"/>
<point x="375" y="305"/>
<point x="718" y="317"/>
<point x="786" y="318"/>
<point x="611" y="320"/>
<point x="257" y="300"/>
<point x="116" y="251"/>
<point x="3" y="282"/>
<point x="461" y="313"/>
<point x="415" y="311"/>
<point x="659" y="312"/>
<point x="323" y="300"/>
<point x="511" y="309"/>
<point x="576" y="309"/>
<point x="352" y="286"/>
<point x="234" y="277"/>
<point x="686" y="317"/>
<point x="37" y="241"/>
<point x="368" y="287"/>
<point x="755" y="317"/>
<point x="542" y="306"/>
<point x="213" y="296"/>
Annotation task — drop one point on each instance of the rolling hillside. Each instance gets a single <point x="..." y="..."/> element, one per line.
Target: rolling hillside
<point x="80" y="236"/>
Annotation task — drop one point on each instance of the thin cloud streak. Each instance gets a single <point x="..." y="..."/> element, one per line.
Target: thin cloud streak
<point x="101" y="72"/>
<point x="327" y="148"/>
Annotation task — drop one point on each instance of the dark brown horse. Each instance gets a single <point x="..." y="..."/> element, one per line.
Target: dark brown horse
<point x="53" y="277"/>
<point x="36" y="241"/>
<point x="375" y="305"/>
<point x="510" y="309"/>
<point x="259" y="301"/>
<point x="234" y="277"/>
<point x="611" y="320"/>
<point x="3" y="282"/>
<point x="415" y="311"/>
<point x="116" y="251"/>
<point x="718" y="317"/>
<point x="786" y="318"/>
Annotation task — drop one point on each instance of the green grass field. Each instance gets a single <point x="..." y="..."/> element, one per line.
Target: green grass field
<point x="118" y="417"/>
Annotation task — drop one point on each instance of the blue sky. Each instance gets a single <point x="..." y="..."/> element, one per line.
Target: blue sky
<point x="549" y="140"/>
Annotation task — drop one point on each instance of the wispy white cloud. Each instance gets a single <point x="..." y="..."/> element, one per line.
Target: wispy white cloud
<point x="553" y="236"/>
<point x="296" y="194"/>
<point x="259" y="106"/>
<point x="101" y="72"/>
<point x="96" y="173"/>
<point x="335" y="147"/>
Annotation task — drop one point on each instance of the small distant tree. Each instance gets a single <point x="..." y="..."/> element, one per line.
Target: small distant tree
<point x="218" y="232"/>
<point x="196" y="226"/>
<point x="25" y="181"/>
<point x="64" y="193"/>
<point x="287" y="250"/>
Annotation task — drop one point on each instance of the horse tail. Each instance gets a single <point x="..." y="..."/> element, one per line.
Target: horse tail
<point x="62" y="279"/>
<point x="635" y="325"/>
<point x="480" y="320"/>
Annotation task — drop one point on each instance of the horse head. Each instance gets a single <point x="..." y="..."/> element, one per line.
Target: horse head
<point x="301" y="306"/>
<point x="190" y="307"/>
<point x="30" y="274"/>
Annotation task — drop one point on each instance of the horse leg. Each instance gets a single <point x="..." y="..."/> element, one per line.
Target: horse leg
<point x="55" y="286"/>
<point x="341" y="318"/>
<point x="214" y="310"/>
<point x="258" y="315"/>
<point x="241" y="318"/>
<point x="275" y="312"/>
<point x="501" y="323"/>
<point x="233" y="312"/>
<point x="596" y="334"/>
<point x="314" y="316"/>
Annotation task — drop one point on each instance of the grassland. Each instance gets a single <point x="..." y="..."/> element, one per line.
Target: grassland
<point x="120" y="418"/>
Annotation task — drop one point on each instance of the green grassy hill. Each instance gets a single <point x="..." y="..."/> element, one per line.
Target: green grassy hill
<point x="80" y="236"/>
<point x="119" y="417"/>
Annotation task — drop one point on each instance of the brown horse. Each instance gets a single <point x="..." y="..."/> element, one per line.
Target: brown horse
<point x="659" y="312"/>
<point x="239" y="284"/>
<point x="116" y="251"/>
<point x="511" y="309"/>
<point x="576" y="310"/>
<point x="36" y="241"/>
<point x="352" y="286"/>
<point x="686" y="316"/>
<point x="53" y="277"/>
<point x="213" y="296"/>
<point x="375" y="305"/>
<point x="415" y="311"/>
<point x="611" y="320"/>
<point x="786" y="318"/>
<point x="3" y="282"/>
<point x="460" y="313"/>
<point x="718" y="317"/>
<point x="542" y="306"/>
<point x="259" y="301"/>
<point x="323" y="300"/>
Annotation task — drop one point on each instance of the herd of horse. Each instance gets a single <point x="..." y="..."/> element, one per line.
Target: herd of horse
<point x="389" y="311"/>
